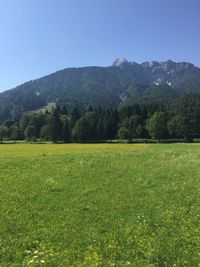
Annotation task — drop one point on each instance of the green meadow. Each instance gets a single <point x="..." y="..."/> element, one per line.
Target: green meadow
<point x="106" y="205"/>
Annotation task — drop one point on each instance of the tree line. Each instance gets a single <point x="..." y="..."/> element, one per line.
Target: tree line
<point x="179" y="119"/>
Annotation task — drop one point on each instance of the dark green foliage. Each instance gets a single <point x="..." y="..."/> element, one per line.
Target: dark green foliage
<point x="66" y="135"/>
<point x="75" y="115"/>
<point x="187" y="116"/>
<point x="46" y="132"/>
<point x="174" y="127"/>
<point x="55" y="126"/>
<point x="180" y="119"/>
<point x="91" y="117"/>
<point x="123" y="133"/>
<point x="142" y="132"/>
<point x="24" y="122"/>
<point x="38" y="120"/>
<point x="81" y="130"/>
<point x="33" y="119"/>
<point x="192" y="114"/>
<point x="100" y="126"/>
<point x="158" y="125"/>
<point x="4" y="132"/>
<point x="85" y="128"/>
<point x="15" y="132"/>
<point x="108" y="125"/>
<point x="9" y="123"/>
<point x="16" y="113"/>
<point x="30" y="132"/>
<point x="133" y="123"/>
<point x="64" y="110"/>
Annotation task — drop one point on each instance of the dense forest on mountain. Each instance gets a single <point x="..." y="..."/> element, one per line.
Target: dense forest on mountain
<point x="179" y="119"/>
<point x="123" y="83"/>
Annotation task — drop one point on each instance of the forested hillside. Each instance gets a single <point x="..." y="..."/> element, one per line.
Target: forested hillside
<point x="179" y="119"/>
<point x="124" y="83"/>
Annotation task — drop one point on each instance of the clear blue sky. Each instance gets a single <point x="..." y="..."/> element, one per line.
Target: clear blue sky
<point x="38" y="37"/>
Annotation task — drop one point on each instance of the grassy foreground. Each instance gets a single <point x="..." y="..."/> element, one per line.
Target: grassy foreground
<point x="100" y="205"/>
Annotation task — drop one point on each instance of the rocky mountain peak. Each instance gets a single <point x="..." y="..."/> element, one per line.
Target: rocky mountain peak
<point x="120" y="61"/>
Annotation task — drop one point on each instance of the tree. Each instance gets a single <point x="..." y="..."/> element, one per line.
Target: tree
<point x="74" y="117"/>
<point x="188" y="111"/>
<point x="142" y="132"/>
<point x="100" y="126"/>
<point x="174" y="127"/>
<point x="24" y="122"/>
<point x="55" y="127"/>
<point x="133" y="122"/>
<point x="91" y="118"/>
<point x="109" y="128"/>
<point x="16" y="113"/>
<point x="80" y="131"/>
<point x="46" y="132"/>
<point x="9" y="123"/>
<point x="114" y="122"/>
<point x="158" y="125"/>
<point x="15" y="132"/>
<point x="66" y="134"/>
<point x="123" y="133"/>
<point x="30" y="132"/>
<point x="38" y="120"/>
<point x="4" y="131"/>
<point x="64" y="110"/>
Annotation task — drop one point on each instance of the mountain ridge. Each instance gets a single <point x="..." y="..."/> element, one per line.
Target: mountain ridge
<point x="121" y="83"/>
<point x="158" y="72"/>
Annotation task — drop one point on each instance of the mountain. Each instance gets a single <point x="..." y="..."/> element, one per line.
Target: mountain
<point x="122" y="83"/>
<point x="154" y="72"/>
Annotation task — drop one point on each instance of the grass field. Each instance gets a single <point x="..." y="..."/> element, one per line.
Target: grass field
<point x="100" y="205"/>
